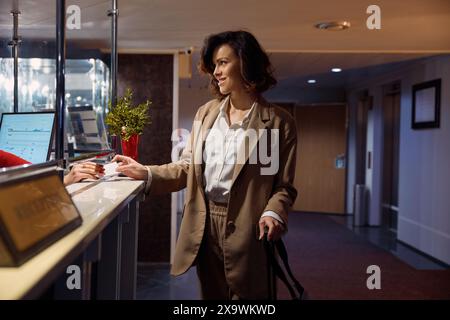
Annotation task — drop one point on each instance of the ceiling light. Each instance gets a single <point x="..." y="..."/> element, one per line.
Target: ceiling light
<point x="333" y="25"/>
<point x="336" y="70"/>
<point x="311" y="81"/>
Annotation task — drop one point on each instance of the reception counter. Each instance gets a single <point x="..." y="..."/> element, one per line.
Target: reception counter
<point x="103" y="250"/>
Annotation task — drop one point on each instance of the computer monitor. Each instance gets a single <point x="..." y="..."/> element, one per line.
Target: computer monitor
<point x="85" y="129"/>
<point x="27" y="134"/>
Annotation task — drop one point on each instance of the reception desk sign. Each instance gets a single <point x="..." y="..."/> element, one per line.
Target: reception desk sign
<point x="35" y="211"/>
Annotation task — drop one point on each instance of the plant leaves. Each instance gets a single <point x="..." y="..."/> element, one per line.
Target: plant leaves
<point x="125" y="119"/>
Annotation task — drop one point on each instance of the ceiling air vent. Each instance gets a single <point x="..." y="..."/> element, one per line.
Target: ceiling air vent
<point x="333" y="25"/>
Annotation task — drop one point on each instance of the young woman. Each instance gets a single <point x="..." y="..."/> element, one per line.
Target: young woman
<point x="230" y="197"/>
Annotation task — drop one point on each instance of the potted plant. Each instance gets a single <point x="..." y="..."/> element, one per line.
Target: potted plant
<point x="127" y="121"/>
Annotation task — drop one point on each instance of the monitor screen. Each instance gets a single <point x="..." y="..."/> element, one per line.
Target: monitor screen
<point x="83" y="121"/>
<point x="27" y="135"/>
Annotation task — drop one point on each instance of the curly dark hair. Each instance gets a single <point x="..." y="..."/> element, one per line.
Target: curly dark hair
<point x="256" y="69"/>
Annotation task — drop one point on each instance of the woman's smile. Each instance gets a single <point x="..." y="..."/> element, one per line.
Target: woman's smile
<point x="221" y="81"/>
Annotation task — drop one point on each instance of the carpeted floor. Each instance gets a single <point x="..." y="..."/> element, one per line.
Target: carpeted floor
<point x="331" y="262"/>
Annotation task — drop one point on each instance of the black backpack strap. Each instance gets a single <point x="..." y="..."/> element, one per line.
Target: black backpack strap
<point x="279" y="245"/>
<point x="276" y="268"/>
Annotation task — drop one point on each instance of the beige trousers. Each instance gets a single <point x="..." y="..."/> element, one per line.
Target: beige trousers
<point x="210" y="262"/>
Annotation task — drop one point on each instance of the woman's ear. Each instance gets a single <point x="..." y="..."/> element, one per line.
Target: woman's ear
<point x="250" y="87"/>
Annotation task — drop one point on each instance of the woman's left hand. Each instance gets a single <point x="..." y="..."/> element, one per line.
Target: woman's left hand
<point x="276" y="228"/>
<point x="85" y="170"/>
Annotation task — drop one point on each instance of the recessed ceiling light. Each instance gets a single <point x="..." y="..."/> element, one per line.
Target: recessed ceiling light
<point x="336" y="70"/>
<point x="333" y="25"/>
<point x="311" y="81"/>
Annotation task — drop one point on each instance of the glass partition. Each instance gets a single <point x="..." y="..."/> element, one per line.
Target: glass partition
<point x="87" y="72"/>
<point x="88" y="79"/>
<point x="26" y="83"/>
<point x="6" y="85"/>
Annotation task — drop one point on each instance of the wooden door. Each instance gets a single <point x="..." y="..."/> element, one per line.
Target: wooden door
<point x="320" y="177"/>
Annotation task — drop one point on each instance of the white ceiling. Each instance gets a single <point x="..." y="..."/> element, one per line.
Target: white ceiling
<point x="409" y="28"/>
<point x="282" y="25"/>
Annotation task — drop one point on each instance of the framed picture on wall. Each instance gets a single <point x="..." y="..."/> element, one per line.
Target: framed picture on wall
<point x="426" y="103"/>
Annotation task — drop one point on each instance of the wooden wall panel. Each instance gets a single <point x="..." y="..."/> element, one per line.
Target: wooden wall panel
<point x="151" y="77"/>
<point x="321" y="138"/>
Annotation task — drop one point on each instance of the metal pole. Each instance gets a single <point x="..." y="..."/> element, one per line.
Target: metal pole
<point x="14" y="43"/>
<point x="60" y="77"/>
<point x="113" y="13"/>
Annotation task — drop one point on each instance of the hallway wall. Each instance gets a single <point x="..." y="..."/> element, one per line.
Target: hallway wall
<point x="424" y="174"/>
<point x="424" y="202"/>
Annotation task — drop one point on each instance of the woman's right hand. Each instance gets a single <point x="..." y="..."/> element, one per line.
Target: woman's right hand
<point x="130" y="167"/>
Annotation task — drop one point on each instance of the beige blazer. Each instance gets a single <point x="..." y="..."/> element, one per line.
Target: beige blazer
<point x="251" y="194"/>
